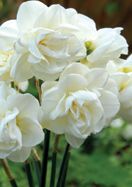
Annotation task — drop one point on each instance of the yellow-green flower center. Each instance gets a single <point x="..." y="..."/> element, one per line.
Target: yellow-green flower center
<point x="127" y="69"/>
<point x="89" y="47"/>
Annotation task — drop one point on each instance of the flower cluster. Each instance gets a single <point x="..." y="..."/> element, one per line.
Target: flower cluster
<point x="85" y="81"/>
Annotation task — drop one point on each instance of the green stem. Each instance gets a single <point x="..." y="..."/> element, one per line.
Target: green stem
<point x="53" y="170"/>
<point x="64" y="175"/>
<point x="29" y="174"/>
<point x="54" y="157"/>
<point x="63" y="168"/>
<point x="37" y="167"/>
<point x="13" y="183"/>
<point x="45" y="159"/>
<point x="9" y="173"/>
<point x="37" y="164"/>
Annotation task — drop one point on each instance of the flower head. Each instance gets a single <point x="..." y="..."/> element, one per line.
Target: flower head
<point x="19" y="126"/>
<point x="122" y="74"/>
<point x="79" y="104"/>
<point x="106" y="44"/>
<point x="43" y="47"/>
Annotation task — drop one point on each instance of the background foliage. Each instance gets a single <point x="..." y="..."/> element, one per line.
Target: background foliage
<point x="105" y="160"/>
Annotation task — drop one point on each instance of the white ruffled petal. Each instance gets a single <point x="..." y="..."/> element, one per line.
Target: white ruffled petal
<point x="20" y="155"/>
<point x="28" y="14"/>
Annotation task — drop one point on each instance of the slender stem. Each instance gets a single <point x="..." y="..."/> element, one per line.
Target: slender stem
<point x="29" y="174"/>
<point x="54" y="156"/>
<point x="53" y="170"/>
<point x="45" y="159"/>
<point x="37" y="164"/>
<point x="36" y="156"/>
<point x="9" y="173"/>
<point x="13" y="183"/>
<point x="64" y="175"/>
<point x="63" y="168"/>
<point x="38" y="89"/>
<point x="37" y="170"/>
<point x="56" y="142"/>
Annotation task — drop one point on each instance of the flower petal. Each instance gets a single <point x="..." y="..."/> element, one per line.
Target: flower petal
<point x="97" y="77"/>
<point x="110" y="103"/>
<point x="74" y="141"/>
<point x="21" y="70"/>
<point x="28" y="13"/>
<point x="27" y="105"/>
<point x="32" y="133"/>
<point x="72" y="82"/>
<point x="20" y="155"/>
<point x="8" y="34"/>
<point x="75" y="68"/>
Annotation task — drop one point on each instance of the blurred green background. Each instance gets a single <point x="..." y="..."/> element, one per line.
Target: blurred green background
<point x="105" y="160"/>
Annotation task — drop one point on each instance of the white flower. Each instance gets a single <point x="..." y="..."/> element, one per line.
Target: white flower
<point x="79" y="104"/>
<point x="122" y="74"/>
<point x="124" y="82"/>
<point x="6" y="90"/>
<point x="44" y="43"/>
<point x="8" y="35"/>
<point x="19" y="126"/>
<point x="106" y="44"/>
<point x="126" y="65"/>
<point x="5" y="57"/>
<point x="5" y="68"/>
<point x="68" y="20"/>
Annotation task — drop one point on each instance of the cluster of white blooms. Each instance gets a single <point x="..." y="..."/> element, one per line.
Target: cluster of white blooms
<point x="85" y="81"/>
